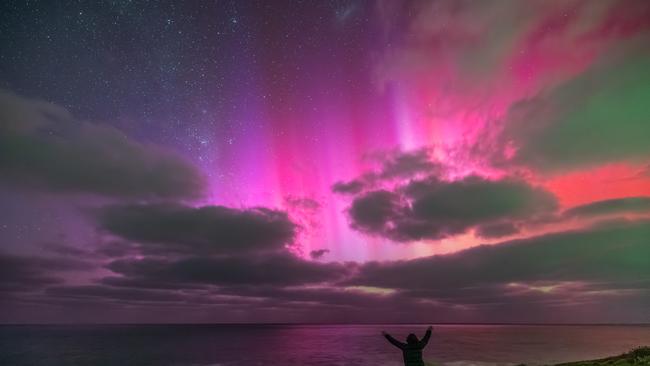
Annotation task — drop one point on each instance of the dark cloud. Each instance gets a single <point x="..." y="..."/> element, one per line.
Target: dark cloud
<point x="433" y="209"/>
<point x="85" y="294"/>
<point x="497" y="230"/>
<point x="373" y="211"/>
<point x="408" y="164"/>
<point x="151" y="283"/>
<point x="312" y="303"/>
<point x="107" y="292"/>
<point x="117" y="248"/>
<point x="597" y="117"/>
<point x="614" y="253"/>
<point x="181" y="229"/>
<point x="394" y="165"/>
<point x="42" y="146"/>
<point x="22" y="273"/>
<point x="317" y="254"/>
<point x="331" y="296"/>
<point x="550" y="302"/>
<point x="351" y="187"/>
<point x="513" y="281"/>
<point x="279" y="269"/>
<point x="610" y="207"/>
<point x="477" y="199"/>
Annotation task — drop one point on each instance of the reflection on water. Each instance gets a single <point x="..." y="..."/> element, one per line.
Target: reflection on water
<point x="308" y="345"/>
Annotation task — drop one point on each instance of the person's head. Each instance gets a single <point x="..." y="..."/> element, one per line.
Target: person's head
<point x="411" y="339"/>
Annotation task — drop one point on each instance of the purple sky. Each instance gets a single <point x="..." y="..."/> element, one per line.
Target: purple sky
<point x="329" y="161"/>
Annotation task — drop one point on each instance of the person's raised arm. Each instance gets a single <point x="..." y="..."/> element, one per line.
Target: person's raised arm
<point x="394" y="341"/>
<point x="426" y="337"/>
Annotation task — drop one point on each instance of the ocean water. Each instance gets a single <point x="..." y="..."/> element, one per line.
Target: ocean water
<point x="308" y="345"/>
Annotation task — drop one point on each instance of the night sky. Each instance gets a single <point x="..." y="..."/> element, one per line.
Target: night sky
<point x="325" y="161"/>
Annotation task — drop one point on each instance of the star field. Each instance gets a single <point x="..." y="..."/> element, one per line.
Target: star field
<point x="482" y="161"/>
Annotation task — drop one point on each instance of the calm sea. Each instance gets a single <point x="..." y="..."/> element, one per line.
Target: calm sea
<point x="308" y="345"/>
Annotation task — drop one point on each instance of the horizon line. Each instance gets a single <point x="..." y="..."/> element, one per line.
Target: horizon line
<point x="331" y="323"/>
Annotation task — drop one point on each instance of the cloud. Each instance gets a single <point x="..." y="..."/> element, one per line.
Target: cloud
<point x="42" y="146"/>
<point x="497" y="230"/>
<point x="23" y="273"/>
<point x="393" y="166"/>
<point x="612" y="206"/>
<point x="520" y="280"/>
<point x="351" y="187"/>
<point x="317" y="254"/>
<point x="476" y="199"/>
<point x="527" y="277"/>
<point x="597" y="117"/>
<point x="278" y="269"/>
<point x="434" y="209"/>
<point x="614" y="254"/>
<point x="459" y="72"/>
<point x="329" y="296"/>
<point x="310" y="302"/>
<point x="113" y="293"/>
<point x="175" y="228"/>
<point x="408" y="164"/>
<point x="117" y="248"/>
<point x="146" y="283"/>
<point x="373" y="211"/>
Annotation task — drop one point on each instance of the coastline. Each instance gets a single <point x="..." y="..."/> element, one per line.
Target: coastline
<point x="637" y="357"/>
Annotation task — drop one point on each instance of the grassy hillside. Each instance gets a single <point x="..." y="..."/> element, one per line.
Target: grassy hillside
<point x="637" y="357"/>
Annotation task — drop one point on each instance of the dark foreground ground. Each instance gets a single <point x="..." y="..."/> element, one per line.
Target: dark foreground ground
<point x="637" y="357"/>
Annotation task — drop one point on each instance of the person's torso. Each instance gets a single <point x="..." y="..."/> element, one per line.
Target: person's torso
<point x="413" y="357"/>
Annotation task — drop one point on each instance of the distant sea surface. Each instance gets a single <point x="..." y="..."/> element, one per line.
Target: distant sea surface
<point x="308" y="345"/>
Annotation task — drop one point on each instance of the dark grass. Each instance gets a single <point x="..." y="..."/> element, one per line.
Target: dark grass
<point x="637" y="357"/>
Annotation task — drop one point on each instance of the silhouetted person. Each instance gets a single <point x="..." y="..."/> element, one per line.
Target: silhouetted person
<point x="412" y="349"/>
